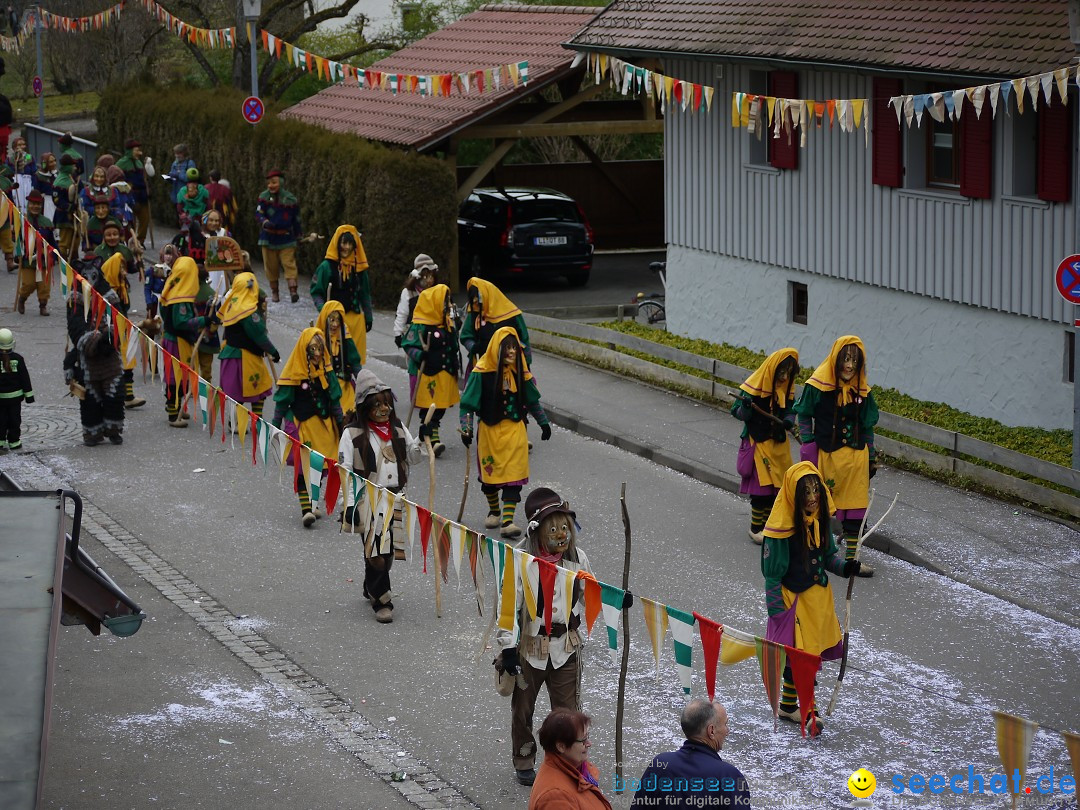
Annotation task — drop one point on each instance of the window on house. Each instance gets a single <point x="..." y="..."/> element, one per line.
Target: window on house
<point x="798" y="302"/>
<point x="759" y="142"/>
<point x="1070" y="356"/>
<point x="942" y="153"/>
<point x="1023" y="132"/>
<point x="782" y="152"/>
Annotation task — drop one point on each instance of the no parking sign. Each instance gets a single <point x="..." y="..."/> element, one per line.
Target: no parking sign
<point x="253" y="109"/>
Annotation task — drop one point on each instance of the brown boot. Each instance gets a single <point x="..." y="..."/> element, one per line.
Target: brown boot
<point x="275" y="296"/>
<point x="10" y="262"/>
<point x="20" y="305"/>
<point x="43" y="308"/>
<point x="293" y="295"/>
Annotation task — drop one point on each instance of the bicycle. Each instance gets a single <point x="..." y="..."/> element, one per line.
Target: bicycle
<point x="650" y="308"/>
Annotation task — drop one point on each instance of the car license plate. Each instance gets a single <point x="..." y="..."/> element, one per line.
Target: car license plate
<point x="549" y="240"/>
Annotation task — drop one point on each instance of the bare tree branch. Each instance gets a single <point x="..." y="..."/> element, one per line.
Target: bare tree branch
<point x="196" y="53"/>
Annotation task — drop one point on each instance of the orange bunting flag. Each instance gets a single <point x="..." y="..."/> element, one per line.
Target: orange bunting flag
<point x="593" y="601"/>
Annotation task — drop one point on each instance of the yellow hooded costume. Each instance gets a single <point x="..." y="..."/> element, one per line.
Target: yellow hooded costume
<point x="242" y="301"/>
<point x="433" y="325"/>
<point x="771" y="458"/>
<point x="181" y="288"/>
<point x="356" y="263"/>
<point x="113" y="270"/>
<point x="317" y="432"/>
<point x="816" y="627"/>
<point x="341" y="346"/>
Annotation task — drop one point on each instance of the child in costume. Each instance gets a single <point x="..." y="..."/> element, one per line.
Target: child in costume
<point x="837" y="414"/>
<point x="543" y="649"/>
<point x="500" y="390"/>
<point x="245" y="375"/>
<point x="487" y="311"/>
<point x="342" y="276"/>
<point x="378" y="448"/>
<point x="15" y="389"/>
<point x="432" y="343"/>
<point x="764" y="454"/>
<point x="797" y="552"/>
<point x="420" y="278"/>
<point x="343" y="355"/>
<point x="181" y="327"/>
<point x="308" y="395"/>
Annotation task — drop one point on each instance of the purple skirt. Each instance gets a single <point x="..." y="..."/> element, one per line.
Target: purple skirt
<point x="744" y="465"/>
<point x="232" y="381"/>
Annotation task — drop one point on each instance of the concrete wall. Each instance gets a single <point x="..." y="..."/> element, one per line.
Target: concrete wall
<point x="988" y="363"/>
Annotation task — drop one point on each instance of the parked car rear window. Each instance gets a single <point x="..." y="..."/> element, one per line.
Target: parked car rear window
<point x="534" y="210"/>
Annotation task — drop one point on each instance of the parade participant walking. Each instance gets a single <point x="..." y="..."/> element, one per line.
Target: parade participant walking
<point x="65" y="196"/>
<point x="343" y="355"/>
<point x="178" y="171"/>
<point x="221" y="198"/>
<point x="545" y="648"/>
<point x="208" y="343"/>
<point x="765" y="404"/>
<point x="111" y="246"/>
<point x="121" y="202"/>
<point x="487" y="311"/>
<point x="245" y="376"/>
<point x="837" y="413"/>
<point x="377" y="447"/>
<point x="308" y="396"/>
<point x="193" y="200"/>
<point x="67" y="147"/>
<point x="567" y="780"/>
<point x="342" y="276"/>
<point x="501" y="390"/>
<point x="98" y="186"/>
<point x="695" y="775"/>
<point x="136" y="170"/>
<point x="94" y="365"/>
<point x="212" y="227"/>
<point x="7" y="238"/>
<point x="31" y="277"/>
<point x="115" y="269"/>
<point x="799" y="549"/>
<point x="432" y="346"/>
<point x="15" y="388"/>
<point x="95" y="226"/>
<point x="155" y="281"/>
<point x="44" y="179"/>
<point x="278" y="216"/>
<point x="181" y="325"/>
<point x="420" y="278"/>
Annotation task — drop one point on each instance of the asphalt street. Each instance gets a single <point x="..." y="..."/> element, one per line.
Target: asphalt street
<point x="210" y="704"/>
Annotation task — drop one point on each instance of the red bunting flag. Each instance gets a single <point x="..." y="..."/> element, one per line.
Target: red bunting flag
<point x="254" y="434"/>
<point x="710" y="632"/>
<point x="296" y="462"/>
<point x="804" y="669"/>
<point x="548" y="572"/>
<point x="332" y="485"/>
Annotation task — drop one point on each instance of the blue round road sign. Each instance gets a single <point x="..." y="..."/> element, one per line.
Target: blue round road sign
<point x="38" y="87"/>
<point x="252" y="109"/>
<point x="1067" y="279"/>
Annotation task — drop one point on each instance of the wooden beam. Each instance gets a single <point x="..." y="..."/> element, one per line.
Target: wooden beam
<point x="567" y="128"/>
<point x="481" y="171"/>
<point x="601" y="167"/>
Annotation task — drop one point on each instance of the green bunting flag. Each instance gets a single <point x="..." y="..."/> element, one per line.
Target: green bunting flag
<point x="611" y="600"/>
<point x="315" y="471"/>
<point x="682" y="636"/>
<point x="772" y="659"/>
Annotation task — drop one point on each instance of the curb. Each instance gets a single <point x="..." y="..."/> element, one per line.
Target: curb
<point x="879" y="542"/>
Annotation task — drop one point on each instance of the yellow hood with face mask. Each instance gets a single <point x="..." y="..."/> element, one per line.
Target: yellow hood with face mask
<point x="297" y="369"/>
<point x="431" y="308"/>
<point x="113" y="271"/>
<point x="825" y="378"/>
<point x="781" y="522"/>
<point x="357" y="262"/>
<point x="241" y="301"/>
<point x="492" y="359"/>
<point x="762" y="383"/>
<point x="183" y="283"/>
<point x="323" y="323"/>
<point x="494" y="306"/>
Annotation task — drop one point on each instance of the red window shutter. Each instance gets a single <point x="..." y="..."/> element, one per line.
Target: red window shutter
<point x="976" y="151"/>
<point x="784" y="151"/>
<point x="1055" y="151"/>
<point x="888" y="154"/>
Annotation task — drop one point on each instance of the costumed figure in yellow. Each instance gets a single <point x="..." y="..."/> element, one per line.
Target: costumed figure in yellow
<point x="309" y="398"/>
<point x="501" y="391"/>
<point x="432" y="346"/>
<point x="765" y="404"/>
<point x="487" y="311"/>
<point x="798" y="551"/>
<point x="343" y="276"/>
<point x="837" y="414"/>
<point x="114" y="270"/>
<point x="343" y="354"/>
<point x="245" y="374"/>
<point x="181" y="325"/>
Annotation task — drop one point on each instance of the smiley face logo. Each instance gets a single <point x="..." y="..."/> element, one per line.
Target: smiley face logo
<point x="862" y="784"/>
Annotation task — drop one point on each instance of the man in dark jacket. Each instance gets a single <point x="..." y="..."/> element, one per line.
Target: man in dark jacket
<point x="695" y="775"/>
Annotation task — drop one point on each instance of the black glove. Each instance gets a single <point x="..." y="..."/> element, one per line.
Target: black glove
<point x="545" y="432"/>
<point x="275" y="357"/>
<point x="397" y="341"/>
<point x="367" y="324"/>
<point x="466" y="439"/>
<point x="628" y="601"/>
<point x="425" y="431"/>
<point x="851" y="568"/>
<point x="510" y="661"/>
<point x="214" y="320"/>
<point x="873" y="468"/>
<point x="350" y="518"/>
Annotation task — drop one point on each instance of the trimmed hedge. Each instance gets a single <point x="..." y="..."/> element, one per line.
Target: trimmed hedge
<point x="403" y="204"/>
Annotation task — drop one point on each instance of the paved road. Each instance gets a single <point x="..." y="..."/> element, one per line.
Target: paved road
<point x="314" y="701"/>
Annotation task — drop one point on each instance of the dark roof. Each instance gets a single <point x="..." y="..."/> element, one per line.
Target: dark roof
<point x="971" y="37"/>
<point x="493" y="35"/>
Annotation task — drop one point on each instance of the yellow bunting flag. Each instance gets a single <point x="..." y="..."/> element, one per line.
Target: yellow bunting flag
<point x="735" y="646"/>
<point x="857" y="108"/>
<point x="656" y="621"/>
<point x="508" y="602"/>
<point x="1014" y="736"/>
<point x="1072" y="743"/>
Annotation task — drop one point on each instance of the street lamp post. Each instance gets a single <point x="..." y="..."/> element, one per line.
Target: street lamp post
<point x="252" y="11"/>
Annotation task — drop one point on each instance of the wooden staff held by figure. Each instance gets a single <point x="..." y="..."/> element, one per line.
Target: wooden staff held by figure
<point x="424" y="344"/>
<point x="431" y="508"/>
<point x="628" y="601"/>
<point x="789" y="429"/>
<point x="847" y="601"/>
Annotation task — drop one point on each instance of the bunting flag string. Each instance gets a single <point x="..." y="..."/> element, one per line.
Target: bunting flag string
<point x="949" y="104"/>
<point x="200" y="37"/>
<point x="629" y="79"/>
<point x="78" y="25"/>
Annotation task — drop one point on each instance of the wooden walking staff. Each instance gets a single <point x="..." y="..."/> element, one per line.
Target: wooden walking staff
<point x="431" y="508"/>
<point x="626" y="644"/>
<point x="419" y="374"/>
<point x="847" y="601"/>
<point x="465" y="489"/>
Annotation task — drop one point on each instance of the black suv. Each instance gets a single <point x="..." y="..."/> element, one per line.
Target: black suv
<point x="524" y="232"/>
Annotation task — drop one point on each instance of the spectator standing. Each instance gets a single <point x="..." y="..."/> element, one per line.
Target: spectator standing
<point x="193" y="199"/>
<point x="15" y="388"/>
<point x="178" y="171"/>
<point x="695" y="775"/>
<point x="136" y="170"/>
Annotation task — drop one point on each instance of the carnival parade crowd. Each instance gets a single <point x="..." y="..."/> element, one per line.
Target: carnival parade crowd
<point x="204" y="300"/>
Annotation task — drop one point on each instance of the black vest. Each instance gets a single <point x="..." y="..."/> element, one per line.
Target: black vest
<point x="835" y="428"/>
<point x="496" y="404"/>
<point x="310" y="401"/>
<point x="806" y="567"/>
<point x="761" y="427"/>
<point x="236" y="337"/>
